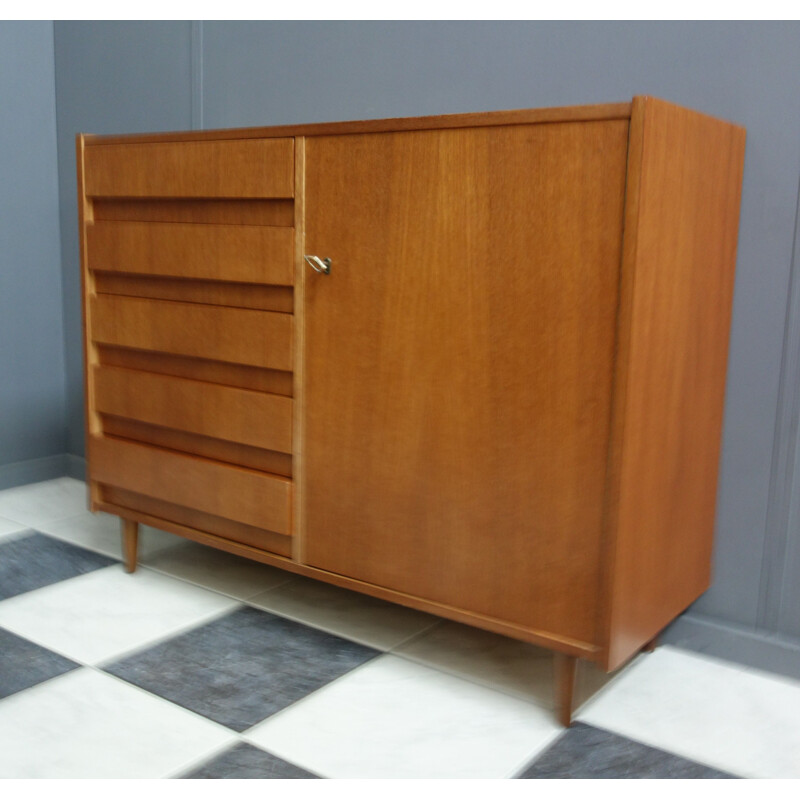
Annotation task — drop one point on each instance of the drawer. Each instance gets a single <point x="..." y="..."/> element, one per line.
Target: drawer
<point x="243" y="495"/>
<point x="236" y="335"/>
<point x="251" y="418"/>
<point x="235" y="169"/>
<point x="235" y="253"/>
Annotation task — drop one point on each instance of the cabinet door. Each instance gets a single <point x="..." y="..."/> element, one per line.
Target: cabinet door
<point x="458" y="367"/>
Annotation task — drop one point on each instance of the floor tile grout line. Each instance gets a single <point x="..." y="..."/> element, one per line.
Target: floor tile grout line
<point x="314" y="770"/>
<point x="678" y="752"/>
<point x="392" y="650"/>
<point x="122" y="654"/>
<point x="11" y="536"/>
<point x="382" y="651"/>
<point x="237" y="737"/>
<point x="100" y="668"/>
<point x="78" y="665"/>
<point x="534" y="757"/>
<point x="323" y="629"/>
<point x="414" y="636"/>
<point x="248" y="731"/>
<point x="161" y="571"/>
<point x="116" y="551"/>
<point x="242" y="736"/>
<point x="624" y="670"/>
<point x="191" y="766"/>
<point x="199" y="762"/>
<point x="148" y="693"/>
<point x="527" y="702"/>
<point x="18" y="521"/>
<point x="162" y="639"/>
<point x="474" y="681"/>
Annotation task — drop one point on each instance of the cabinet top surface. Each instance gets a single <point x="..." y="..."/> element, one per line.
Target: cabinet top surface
<point x="482" y="119"/>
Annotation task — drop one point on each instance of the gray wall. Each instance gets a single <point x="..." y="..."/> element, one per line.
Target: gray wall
<point x="32" y="423"/>
<point x="119" y="77"/>
<point x="111" y="77"/>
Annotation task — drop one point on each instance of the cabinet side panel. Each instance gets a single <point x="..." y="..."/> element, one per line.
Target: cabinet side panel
<point x="671" y="367"/>
<point x="85" y="217"/>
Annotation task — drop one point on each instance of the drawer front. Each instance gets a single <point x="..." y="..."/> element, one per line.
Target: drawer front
<point x="236" y="253"/>
<point x="252" y="168"/>
<point x="251" y="418"/>
<point x="236" y="335"/>
<point x="243" y="495"/>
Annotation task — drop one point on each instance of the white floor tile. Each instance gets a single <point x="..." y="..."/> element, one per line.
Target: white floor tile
<point x="355" y="616"/>
<point x="88" y="725"/>
<point x="101" y="532"/>
<point x="591" y="679"/>
<point x="498" y="662"/>
<point x="507" y="665"/>
<point x="217" y="570"/>
<point x="706" y="710"/>
<point x="395" y="719"/>
<point x="96" y="616"/>
<point x="37" y="503"/>
<point x="10" y="528"/>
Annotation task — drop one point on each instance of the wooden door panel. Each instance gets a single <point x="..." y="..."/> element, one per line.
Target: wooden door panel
<point x="459" y="364"/>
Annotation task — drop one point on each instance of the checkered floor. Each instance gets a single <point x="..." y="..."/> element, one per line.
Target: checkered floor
<point x="203" y="665"/>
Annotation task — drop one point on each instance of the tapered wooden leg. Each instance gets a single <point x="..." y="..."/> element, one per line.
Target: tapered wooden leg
<point x="565" y="687"/>
<point x="130" y="544"/>
<point x="651" y="645"/>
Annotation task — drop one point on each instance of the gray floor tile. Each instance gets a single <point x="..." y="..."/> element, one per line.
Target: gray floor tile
<point x="246" y="761"/>
<point x="240" y="668"/>
<point x="36" y="560"/>
<point x="587" y="752"/>
<point x="24" y="664"/>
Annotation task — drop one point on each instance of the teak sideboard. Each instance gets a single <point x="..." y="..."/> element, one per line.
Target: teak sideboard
<point x="473" y="364"/>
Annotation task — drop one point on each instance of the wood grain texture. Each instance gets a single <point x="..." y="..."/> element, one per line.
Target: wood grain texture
<point x="201" y="369"/>
<point x="130" y="543"/>
<point x="242" y="495"/>
<point x="90" y="350"/>
<point x="230" y="211"/>
<point x="522" y="116"/>
<point x="222" y="542"/>
<point x="237" y="335"/>
<point x="237" y="169"/>
<point x="493" y="422"/>
<point x="194" y="444"/>
<point x="459" y="364"/>
<point x="677" y="287"/>
<point x="298" y="443"/>
<point x="216" y="293"/>
<point x="566" y="671"/>
<point x="235" y="532"/>
<point x="234" y="253"/>
<point x="208" y="409"/>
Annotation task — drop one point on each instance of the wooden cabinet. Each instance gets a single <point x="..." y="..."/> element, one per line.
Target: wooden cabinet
<point x="500" y="403"/>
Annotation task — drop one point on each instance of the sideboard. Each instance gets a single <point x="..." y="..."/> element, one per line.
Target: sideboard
<point x="473" y="364"/>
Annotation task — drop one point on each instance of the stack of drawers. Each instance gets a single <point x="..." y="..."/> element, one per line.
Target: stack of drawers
<point x="189" y="270"/>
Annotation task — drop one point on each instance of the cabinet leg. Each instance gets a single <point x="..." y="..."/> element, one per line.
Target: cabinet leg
<point x="651" y="645"/>
<point x="565" y="687"/>
<point x="130" y="543"/>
